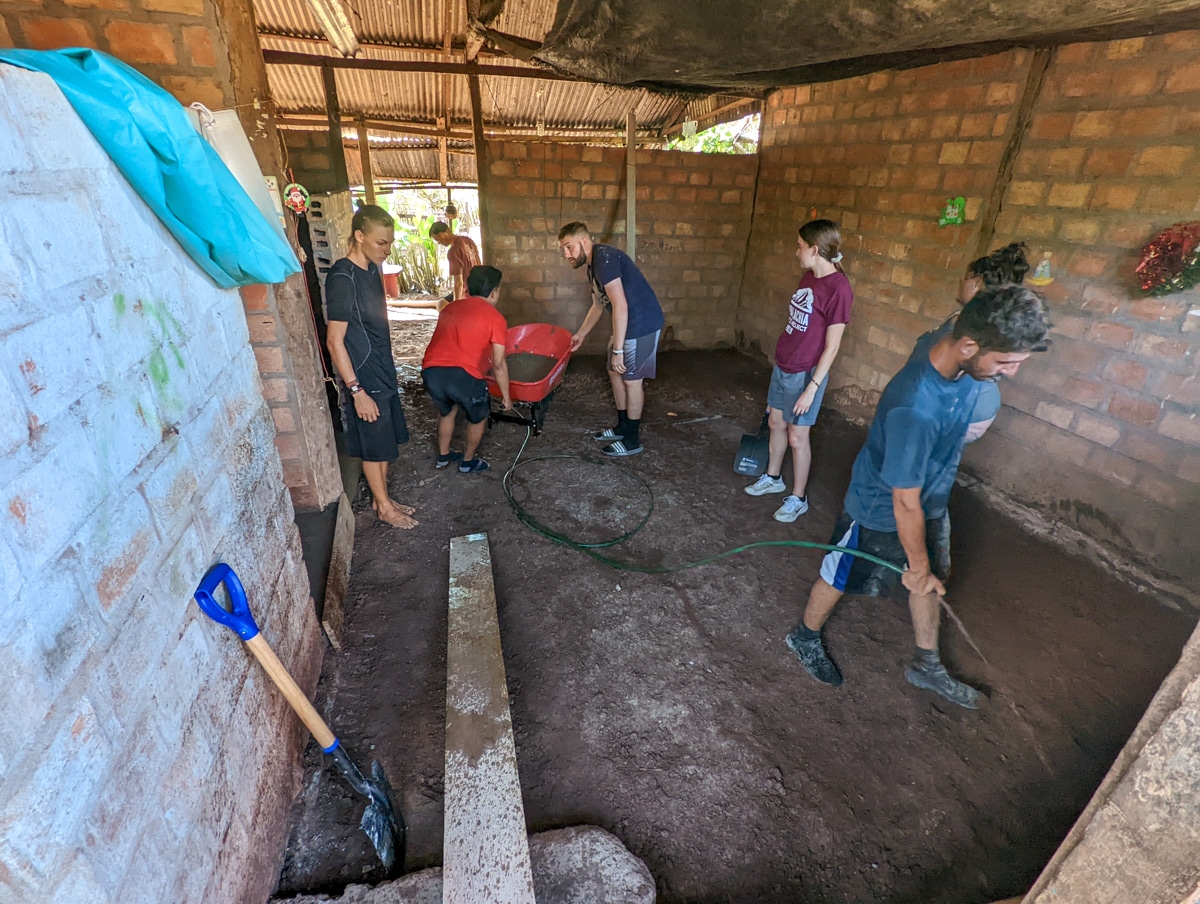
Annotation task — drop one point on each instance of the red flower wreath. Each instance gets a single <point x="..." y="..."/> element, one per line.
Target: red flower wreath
<point x="1171" y="262"/>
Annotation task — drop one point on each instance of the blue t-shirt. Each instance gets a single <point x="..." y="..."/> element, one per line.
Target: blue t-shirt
<point x="916" y="440"/>
<point x="987" y="402"/>
<point x="645" y="313"/>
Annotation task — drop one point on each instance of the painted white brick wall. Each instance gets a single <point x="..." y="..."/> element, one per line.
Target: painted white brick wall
<point x="135" y="451"/>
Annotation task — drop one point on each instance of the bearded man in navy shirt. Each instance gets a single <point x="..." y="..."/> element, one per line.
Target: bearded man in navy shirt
<point x="901" y="482"/>
<point x="637" y="320"/>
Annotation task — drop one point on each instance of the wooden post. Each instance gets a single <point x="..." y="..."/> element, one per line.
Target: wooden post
<point x="631" y="185"/>
<point x="482" y="177"/>
<point x="364" y="155"/>
<point x="340" y="180"/>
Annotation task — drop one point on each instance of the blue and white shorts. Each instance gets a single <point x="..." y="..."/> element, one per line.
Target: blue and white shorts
<point x="854" y="574"/>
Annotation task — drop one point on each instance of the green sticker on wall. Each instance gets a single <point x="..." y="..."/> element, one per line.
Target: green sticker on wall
<point x="954" y="213"/>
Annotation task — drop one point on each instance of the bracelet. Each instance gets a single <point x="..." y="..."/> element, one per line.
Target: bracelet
<point x="619" y="352"/>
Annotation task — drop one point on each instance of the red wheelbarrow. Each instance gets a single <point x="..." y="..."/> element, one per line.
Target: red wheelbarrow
<point x="537" y="359"/>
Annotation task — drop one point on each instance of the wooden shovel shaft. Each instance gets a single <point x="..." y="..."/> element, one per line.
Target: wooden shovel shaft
<point x="283" y="680"/>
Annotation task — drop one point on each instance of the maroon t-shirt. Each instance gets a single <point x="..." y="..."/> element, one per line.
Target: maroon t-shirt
<point x="817" y="304"/>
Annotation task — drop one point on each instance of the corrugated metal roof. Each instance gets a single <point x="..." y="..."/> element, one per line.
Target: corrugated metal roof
<point x="417" y="97"/>
<point x="546" y="108"/>
<point x="410" y="164"/>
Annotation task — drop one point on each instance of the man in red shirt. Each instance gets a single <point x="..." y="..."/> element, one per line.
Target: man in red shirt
<point x="463" y="256"/>
<point x="469" y="334"/>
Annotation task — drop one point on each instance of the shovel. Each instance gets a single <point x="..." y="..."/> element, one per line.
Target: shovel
<point x="380" y="821"/>
<point x="751" y="458"/>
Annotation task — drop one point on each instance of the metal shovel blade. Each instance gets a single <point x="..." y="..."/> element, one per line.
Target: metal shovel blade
<point x="380" y="820"/>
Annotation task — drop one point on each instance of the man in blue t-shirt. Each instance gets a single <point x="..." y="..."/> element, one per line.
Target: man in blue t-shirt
<point x="902" y="477"/>
<point x="637" y="320"/>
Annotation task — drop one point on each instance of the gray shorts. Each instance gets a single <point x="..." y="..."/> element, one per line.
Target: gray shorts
<point x="786" y="388"/>
<point x="641" y="358"/>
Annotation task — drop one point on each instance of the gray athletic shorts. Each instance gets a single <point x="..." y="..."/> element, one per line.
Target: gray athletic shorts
<point x="641" y="358"/>
<point x="786" y="389"/>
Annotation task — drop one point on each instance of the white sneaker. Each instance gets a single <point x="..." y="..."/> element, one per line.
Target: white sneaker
<point x="766" y="484"/>
<point x="793" y="507"/>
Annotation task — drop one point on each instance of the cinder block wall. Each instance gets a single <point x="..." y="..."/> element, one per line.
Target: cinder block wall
<point x="143" y="757"/>
<point x="693" y="213"/>
<point x="1100" y="435"/>
<point x="207" y="51"/>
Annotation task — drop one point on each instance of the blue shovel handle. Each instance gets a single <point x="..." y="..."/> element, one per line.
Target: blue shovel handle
<point x="237" y="618"/>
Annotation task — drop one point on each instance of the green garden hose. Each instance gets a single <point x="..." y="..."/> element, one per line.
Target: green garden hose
<point x="593" y="549"/>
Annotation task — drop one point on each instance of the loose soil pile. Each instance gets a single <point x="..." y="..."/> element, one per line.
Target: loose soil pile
<point x="667" y="710"/>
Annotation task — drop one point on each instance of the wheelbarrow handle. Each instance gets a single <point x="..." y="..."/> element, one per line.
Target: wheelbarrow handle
<point x="238" y="619"/>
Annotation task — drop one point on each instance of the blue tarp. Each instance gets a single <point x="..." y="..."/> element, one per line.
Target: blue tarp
<point x="150" y="138"/>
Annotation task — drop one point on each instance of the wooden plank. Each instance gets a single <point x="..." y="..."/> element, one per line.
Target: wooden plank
<point x="486" y="848"/>
<point x="289" y="58"/>
<point x="364" y="157"/>
<point x="333" y="113"/>
<point x="483" y="176"/>
<point x="333" y="613"/>
<point x="631" y="184"/>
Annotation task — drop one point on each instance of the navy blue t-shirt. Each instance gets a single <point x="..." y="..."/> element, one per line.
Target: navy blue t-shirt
<point x="645" y="313"/>
<point x="916" y="440"/>
<point x="987" y="402"/>
<point x="356" y="296"/>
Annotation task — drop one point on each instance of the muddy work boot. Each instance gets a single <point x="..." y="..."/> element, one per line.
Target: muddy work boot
<point x="810" y="651"/>
<point x="928" y="673"/>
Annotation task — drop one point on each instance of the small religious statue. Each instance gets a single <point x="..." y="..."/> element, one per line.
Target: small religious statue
<point x="1041" y="273"/>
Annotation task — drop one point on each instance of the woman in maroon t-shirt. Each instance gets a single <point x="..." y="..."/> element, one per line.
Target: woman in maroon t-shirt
<point x="817" y="318"/>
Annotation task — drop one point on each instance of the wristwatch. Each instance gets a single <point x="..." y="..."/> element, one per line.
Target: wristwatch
<point x="355" y="388"/>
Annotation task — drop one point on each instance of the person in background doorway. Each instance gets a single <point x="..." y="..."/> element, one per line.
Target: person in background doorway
<point x="462" y="257"/>
<point x="902" y="479"/>
<point x="359" y="339"/>
<point x="1005" y="266"/>
<point x="804" y="355"/>
<point x="469" y="333"/>
<point x="618" y="286"/>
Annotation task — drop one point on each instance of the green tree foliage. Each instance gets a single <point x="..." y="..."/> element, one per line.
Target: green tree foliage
<point x="737" y="137"/>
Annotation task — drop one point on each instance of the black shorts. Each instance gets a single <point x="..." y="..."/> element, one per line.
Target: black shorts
<point x="450" y="386"/>
<point x="381" y="439"/>
<point x="853" y="574"/>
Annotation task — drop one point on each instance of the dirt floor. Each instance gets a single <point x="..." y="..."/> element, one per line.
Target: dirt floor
<point x="667" y="709"/>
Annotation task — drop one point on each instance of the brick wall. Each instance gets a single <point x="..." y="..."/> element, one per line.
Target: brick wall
<point x="310" y="160"/>
<point x="135" y="451"/>
<point x="207" y="51"/>
<point x="1100" y="434"/>
<point x="693" y="214"/>
<point x="177" y="43"/>
<point x="879" y="154"/>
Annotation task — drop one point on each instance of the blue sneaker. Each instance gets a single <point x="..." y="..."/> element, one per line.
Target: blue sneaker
<point x="474" y="466"/>
<point x="444" y="461"/>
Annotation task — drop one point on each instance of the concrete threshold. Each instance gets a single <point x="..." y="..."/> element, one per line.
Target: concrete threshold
<point x="486" y="849"/>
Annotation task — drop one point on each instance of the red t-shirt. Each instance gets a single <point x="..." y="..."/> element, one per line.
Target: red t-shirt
<point x="462" y="256"/>
<point x="817" y="304"/>
<point x="466" y="330"/>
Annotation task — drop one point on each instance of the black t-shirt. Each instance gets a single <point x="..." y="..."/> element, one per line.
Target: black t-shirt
<point x="355" y="295"/>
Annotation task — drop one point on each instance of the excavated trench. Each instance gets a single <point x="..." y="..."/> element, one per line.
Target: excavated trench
<point x="666" y="709"/>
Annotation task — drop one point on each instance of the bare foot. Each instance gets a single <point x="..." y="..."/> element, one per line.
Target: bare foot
<point x="407" y="509"/>
<point x="394" y="515"/>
